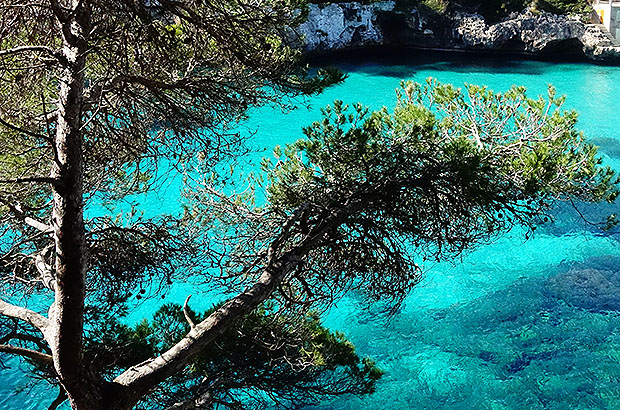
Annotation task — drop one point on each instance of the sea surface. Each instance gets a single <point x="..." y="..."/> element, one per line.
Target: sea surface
<point x="514" y="324"/>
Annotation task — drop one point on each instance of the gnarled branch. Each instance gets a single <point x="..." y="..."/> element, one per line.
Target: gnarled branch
<point x="140" y="378"/>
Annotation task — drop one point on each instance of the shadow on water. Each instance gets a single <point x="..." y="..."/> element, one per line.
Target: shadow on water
<point x="404" y="62"/>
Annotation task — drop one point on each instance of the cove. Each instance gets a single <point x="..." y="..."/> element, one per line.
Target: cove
<point x="513" y="325"/>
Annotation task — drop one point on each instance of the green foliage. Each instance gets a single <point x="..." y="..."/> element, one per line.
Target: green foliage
<point x="156" y="89"/>
<point x="291" y="359"/>
<point x="434" y="6"/>
<point x="531" y="143"/>
<point x="569" y="7"/>
<point x="162" y="86"/>
<point x="438" y="6"/>
<point x="448" y="169"/>
<point x="359" y="204"/>
<point x="496" y="10"/>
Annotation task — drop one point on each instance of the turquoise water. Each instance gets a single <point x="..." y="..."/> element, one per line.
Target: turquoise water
<point x="513" y="325"/>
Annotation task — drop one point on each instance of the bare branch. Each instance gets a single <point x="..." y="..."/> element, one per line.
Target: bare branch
<point x="193" y="403"/>
<point x="28" y="353"/>
<point x="45" y="269"/>
<point x="60" y="399"/>
<point x="45" y="180"/>
<point x="25" y="337"/>
<point x="19" y="212"/>
<point x="23" y="131"/>
<point x="186" y="313"/>
<point x="25" y="49"/>
<point x="60" y="12"/>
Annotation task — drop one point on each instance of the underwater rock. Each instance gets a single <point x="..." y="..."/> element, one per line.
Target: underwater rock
<point x="587" y="288"/>
<point x="542" y="342"/>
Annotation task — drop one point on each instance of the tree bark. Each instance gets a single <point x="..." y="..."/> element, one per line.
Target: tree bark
<point x="67" y="216"/>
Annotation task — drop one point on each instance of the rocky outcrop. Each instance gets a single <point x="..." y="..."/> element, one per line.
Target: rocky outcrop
<point x="598" y="44"/>
<point x="536" y="33"/>
<point x="339" y="26"/>
<point x="529" y="32"/>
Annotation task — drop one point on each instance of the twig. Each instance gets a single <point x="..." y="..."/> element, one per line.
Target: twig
<point x="186" y="313"/>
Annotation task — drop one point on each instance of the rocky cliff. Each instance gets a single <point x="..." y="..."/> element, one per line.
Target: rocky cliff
<point x="339" y="26"/>
<point x="343" y="25"/>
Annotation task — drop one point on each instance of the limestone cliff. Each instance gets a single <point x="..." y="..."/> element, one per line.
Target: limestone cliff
<point x="339" y="26"/>
<point x="343" y="25"/>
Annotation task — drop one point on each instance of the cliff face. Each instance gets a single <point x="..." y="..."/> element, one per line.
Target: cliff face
<point x="343" y="25"/>
<point x="528" y="32"/>
<point x="339" y="26"/>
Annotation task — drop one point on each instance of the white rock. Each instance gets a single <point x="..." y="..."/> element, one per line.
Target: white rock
<point x="342" y="25"/>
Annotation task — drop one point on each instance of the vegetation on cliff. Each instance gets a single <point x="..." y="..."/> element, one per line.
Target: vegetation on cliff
<point x="492" y="10"/>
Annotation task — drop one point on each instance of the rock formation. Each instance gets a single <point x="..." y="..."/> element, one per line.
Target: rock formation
<point x="339" y="26"/>
<point x="529" y="32"/>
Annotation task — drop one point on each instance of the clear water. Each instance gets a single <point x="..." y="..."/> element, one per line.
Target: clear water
<point x="513" y="325"/>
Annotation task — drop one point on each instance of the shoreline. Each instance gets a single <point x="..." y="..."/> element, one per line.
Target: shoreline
<point x="400" y="53"/>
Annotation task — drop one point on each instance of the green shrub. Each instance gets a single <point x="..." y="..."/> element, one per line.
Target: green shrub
<point x="439" y="6"/>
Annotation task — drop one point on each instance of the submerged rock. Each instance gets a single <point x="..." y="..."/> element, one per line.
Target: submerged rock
<point x="591" y="289"/>
<point x="542" y="342"/>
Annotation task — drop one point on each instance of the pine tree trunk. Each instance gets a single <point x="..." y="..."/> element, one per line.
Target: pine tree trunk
<point x="67" y="216"/>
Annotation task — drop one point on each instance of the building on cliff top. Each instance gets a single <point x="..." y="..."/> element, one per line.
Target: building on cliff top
<point x="609" y="14"/>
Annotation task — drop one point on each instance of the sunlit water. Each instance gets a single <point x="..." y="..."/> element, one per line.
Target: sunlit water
<point x="514" y="325"/>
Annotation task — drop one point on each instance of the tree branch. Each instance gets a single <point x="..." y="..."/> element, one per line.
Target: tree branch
<point x="23" y="131"/>
<point x="27" y="315"/>
<point x="193" y="403"/>
<point x="19" y="212"/>
<point x="46" y="180"/>
<point x="186" y="313"/>
<point x="25" y="49"/>
<point x="15" y="334"/>
<point x="60" y="399"/>
<point x="28" y="353"/>
<point x="61" y="13"/>
<point x="46" y="271"/>
<point x="139" y="379"/>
